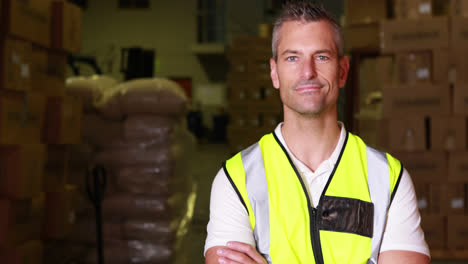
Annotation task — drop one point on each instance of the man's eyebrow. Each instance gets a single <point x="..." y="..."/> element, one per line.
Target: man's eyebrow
<point x="324" y="51"/>
<point x="290" y="51"/>
<point x="321" y="51"/>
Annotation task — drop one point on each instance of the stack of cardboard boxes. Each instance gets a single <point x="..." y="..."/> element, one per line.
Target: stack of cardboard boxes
<point x="254" y="104"/>
<point x="35" y="116"/>
<point x="424" y="111"/>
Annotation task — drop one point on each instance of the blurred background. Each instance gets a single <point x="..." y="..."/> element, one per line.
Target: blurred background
<point x="115" y="116"/>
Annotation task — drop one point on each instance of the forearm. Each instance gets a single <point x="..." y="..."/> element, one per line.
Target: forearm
<point x="401" y="256"/>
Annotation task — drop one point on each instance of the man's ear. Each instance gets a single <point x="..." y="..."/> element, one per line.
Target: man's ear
<point x="274" y="73"/>
<point x="344" y="69"/>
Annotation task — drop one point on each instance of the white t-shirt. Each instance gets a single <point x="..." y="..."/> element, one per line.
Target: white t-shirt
<point x="229" y="220"/>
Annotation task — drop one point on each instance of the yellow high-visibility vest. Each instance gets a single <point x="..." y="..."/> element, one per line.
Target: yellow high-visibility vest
<point x="347" y="225"/>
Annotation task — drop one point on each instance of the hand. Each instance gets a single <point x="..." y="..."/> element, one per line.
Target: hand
<point x="239" y="253"/>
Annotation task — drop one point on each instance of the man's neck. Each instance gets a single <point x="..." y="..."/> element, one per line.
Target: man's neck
<point x="311" y="140"/>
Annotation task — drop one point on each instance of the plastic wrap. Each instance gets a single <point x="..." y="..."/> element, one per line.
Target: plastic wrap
<point x="143" y="96"/>
<point x="141" y="180"/>
<point x="148" y="127"/>
<point x="146" y="209"/>
<point x="84" y="230"/>
<point x="136" y="155"/>
<point x="136" y="206"/>
<point x="89" y="89"/>
<point x="160" y="231"/>
<point x="141" y="132"/>
<point x="133" y="251"/>
<point x="101" y="132"/>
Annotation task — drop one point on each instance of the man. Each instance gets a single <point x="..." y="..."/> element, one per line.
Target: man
<point x="310" y="192"/>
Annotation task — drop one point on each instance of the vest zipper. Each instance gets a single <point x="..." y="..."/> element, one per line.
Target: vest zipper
<point x="315" y="236"/>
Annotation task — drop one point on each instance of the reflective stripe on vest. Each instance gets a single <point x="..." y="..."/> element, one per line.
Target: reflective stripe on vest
<point x="250" y="179"/>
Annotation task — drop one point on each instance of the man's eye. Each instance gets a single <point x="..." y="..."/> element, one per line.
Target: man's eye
<point x="291" y="58"/>
<point x="322" y="57"/>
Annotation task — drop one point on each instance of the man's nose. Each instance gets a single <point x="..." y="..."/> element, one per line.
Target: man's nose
<point x="309" y="70"/>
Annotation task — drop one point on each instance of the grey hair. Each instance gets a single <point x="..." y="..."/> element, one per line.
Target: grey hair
<point x="305" y="10"/>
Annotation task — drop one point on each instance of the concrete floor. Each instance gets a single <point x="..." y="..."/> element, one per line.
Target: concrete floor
<point x="210" y="158"/>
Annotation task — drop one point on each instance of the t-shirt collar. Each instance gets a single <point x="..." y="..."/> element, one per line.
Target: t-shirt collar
<point x="329" y="163"/>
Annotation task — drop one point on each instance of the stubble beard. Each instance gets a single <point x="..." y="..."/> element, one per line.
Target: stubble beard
<point x="306" y="108"/>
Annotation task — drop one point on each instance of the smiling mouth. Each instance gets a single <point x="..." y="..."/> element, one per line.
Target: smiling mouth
<point x="308" y="88"/>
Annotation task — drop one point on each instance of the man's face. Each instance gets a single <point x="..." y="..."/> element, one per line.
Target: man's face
<point x="308" y="71"/>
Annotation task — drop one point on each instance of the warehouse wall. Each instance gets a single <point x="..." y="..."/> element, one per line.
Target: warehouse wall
<point x="170" y="28"/>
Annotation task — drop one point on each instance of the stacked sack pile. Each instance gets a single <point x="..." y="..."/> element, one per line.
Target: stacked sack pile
<point x="135" y="131"/>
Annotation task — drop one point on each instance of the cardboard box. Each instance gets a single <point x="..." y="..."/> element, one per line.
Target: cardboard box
<point x="425" y="166"/>
<point x="448" y="199"/>
<point x="407" y="134"/>
<point x="460" y="63"/>
<point x="458" y="47"/>
<point x="264" y="91"/>
<point x="414" y="67"/>
<point x="66" y="26"/>
<point x="239" y="63"/>
<point x="271" y="120"/>
<point x="56" y="167"/>
<point x="457" y="232"/>
<point x="385" y="71"/>
<point x="63" y="120"/>
<point x="21" y="117"/>
<point x="409" y="34"/>
<point x="459" y="8"/>
<point x="29" y="20"/>
<point x="423" y="195"/>
<point x="440" y="8"/>
<point x="459" y="32"/>
<point x="59" y="213"/>
<point x="48" y="71"/>
<point x="20" y="221"/>
<point x="458" y="166"/>
<point x="456" y="198"/>
<point x="271" y="94"/>
<point x="370" y="131"/>
<point x="448" y="133"/>
<point x="416" y="100"/>
<point x="240" y="138"/>
<point x="422" y="66"/>
<point x="22" y="169"/>
<point x="238" y="94"/>
<point x="362" y="37"/>
<point x="266" y="105"/>
<point x="435" y="230"/>
<point x="259" y="66"/>
<point x="239" y="118"/>
<point x="15" y="60"/>
<point x="365" y="11"/>
<point x="412" y="9"/>
<point x="30" y="252"/>
<point x="460" y="98"/>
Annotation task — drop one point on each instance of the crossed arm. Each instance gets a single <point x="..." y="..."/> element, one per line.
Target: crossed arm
<point x="234" y="253"/>
<point x="241" y="253"/>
